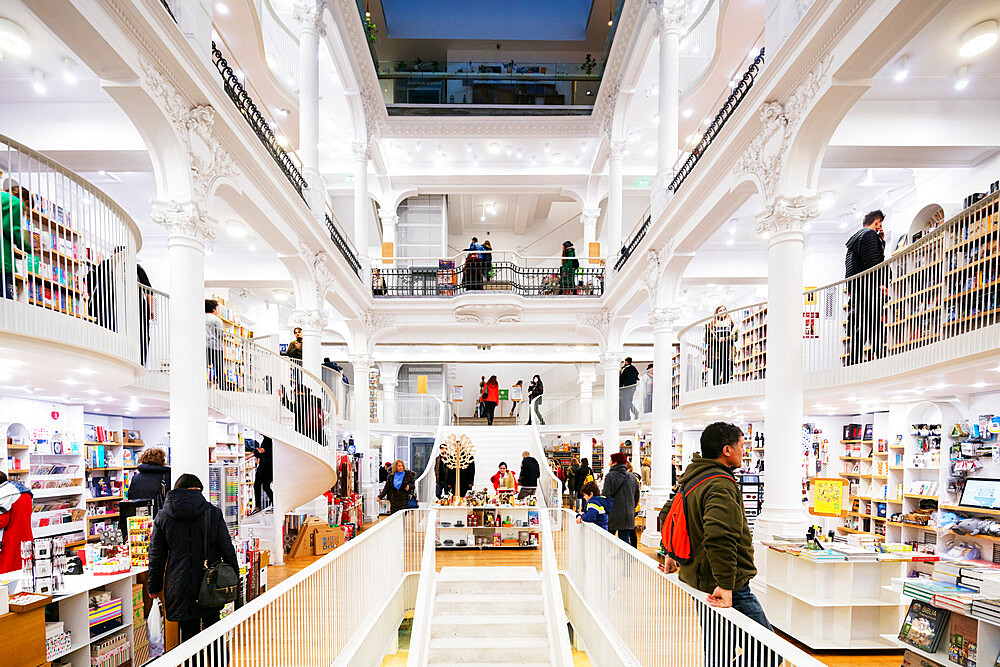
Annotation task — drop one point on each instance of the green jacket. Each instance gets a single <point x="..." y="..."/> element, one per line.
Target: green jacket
<point x="10" y="234"/>
<point x="717" y="523"/>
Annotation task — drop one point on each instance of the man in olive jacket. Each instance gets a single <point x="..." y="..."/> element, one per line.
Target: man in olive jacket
<point x="717" y="526"/>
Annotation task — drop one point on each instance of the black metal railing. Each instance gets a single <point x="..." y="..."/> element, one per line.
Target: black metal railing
<point x="255" y="119"/>
<point x="481" y="276"/>
<point x="725" y="113"/>
<point x="633" y="243"/>
<point x="342" y="245"/>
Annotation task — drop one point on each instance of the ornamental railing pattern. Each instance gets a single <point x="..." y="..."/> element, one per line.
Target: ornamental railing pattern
<point x="255" y="119"/>
<point x="633" y="243"/>
<point x="342" y="245"/>
<point x="725" y="113"/>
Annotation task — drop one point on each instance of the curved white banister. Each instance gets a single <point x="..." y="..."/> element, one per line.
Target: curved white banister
<point x="423" y="608"/>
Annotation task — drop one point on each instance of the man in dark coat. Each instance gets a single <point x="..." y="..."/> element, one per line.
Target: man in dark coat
<point x="264" y="476"/>
<point x="622" y="488"/>
<point x="865" y="250"/>
<point x="442" y="474"/>
<point x="628" y="380"/>
<point x="177" y="554"/>
<point x="528" y="478"/>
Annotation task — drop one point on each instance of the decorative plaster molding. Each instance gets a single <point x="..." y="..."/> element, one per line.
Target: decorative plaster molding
<point x="604" y="105"/>
<point x="314" y="320"/>
<point x="664" y="318"/>
<point x="361" y="362"/>
<point x="607" y="116"/>
<point x="361" y="150"/>
<point x="669" y="17"/>
<point x="374" y="322"/>
<point x="318" y="265"/>
<point x="183" y="220"/>
<point x="356" y="41"/>
<point x="600" y="320"/>
<point x="787" y="214"/>
<point x="589" y="216"/>
<point x="656" y="263"/>
<point x="488" y="313"/>
<point x="388" y="217"/>
<point x="308" y="15"/>
<point x="612" y="361"/>
<point x="617" y="149"/>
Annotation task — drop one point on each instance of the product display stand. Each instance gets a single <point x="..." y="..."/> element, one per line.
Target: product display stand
<point x="484" y="536"/>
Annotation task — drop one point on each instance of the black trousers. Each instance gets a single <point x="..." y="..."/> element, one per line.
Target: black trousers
<point x="193" y="626"/>
<point x="490" y="408"/>
<point x="262" y="483"/>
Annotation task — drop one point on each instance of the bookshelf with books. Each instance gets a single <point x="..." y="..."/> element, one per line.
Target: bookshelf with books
<point x="236" y="362"/>
<point x="750" y="358"/>
<point x="675" y="376"/>
<point x="970" y="267"/>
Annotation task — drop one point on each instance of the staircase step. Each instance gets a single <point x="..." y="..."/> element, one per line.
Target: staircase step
<point x="489" y="605"/>
<point x="448" y="663"/>
<point x="493" y="625"/>
<point x="489" y="587"/>
<point x="479" y="650"/>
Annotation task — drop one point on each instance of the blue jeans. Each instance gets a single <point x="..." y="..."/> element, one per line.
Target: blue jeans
<point x="718" y="639"/>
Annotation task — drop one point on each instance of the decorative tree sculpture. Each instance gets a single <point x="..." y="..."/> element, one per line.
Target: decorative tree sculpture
<point x="458" y="453"/>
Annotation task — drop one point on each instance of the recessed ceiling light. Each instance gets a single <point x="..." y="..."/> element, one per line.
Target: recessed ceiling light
<point x="468" y="148"/>
<point x="730" y="241"/>
<point x="475" y="160"/>
<point x="38" y="81"/>
<point x="13" y="38"/>
<point x="416" y="147"/>
<point x="533" y="161"/>
<point x="979" y="38"/>
<point x="221" y="8"/>
<point x="687" y="113"/>
<point x="519" y="155"/>
<point x="557" y="158"/>
<point x="963" y="78"/>
<point x="493" y="148"/>
<point x="510" y="151"/>
<point x="280" y="295"/>
<point x="902" y="69"/>
<point x="978" y="385"/>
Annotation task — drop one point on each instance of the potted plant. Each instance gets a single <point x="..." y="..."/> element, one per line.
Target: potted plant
<point x="401" y="66"/>
<point x="371" y="30"/>
<point x="418" y="64"/>
<point x="588" y="64"/>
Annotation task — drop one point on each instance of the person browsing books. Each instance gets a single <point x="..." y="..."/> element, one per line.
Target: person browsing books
<point x="596" y="507"/>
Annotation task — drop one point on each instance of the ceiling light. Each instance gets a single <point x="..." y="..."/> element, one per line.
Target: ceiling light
<point x="221" y="8"/>
<point x="70" y="381"/>
<point x="902" y="70"/>
<point x="547" y="148"/>
<point x="826" y="200"/>
<point x="494" y="148"/>
<point x="83" y="370"/>
<point x="280" y="295"/>
<point x="978" y="385"/>
<point x="252" y="248"/>
<point x="475" y="160"/>
<point x="441" y="158"/>
<point x="730" y="241"/>
<point x="235" y="228"/>
<point x="97" y="409"/>
<point x="584" y="146"/>
<point x="69" y="71"/>
<point x="468" y="148"/>
<point x="556" y="158"/>
<point x="416" y="147"/>
<point x="93" y="392"/>
<point x="492" y="208"/>
<point x="510" y="151"/>
<point x="519" y="155"/>
<point x="869" y="178"/>
<point x="649" y="151"/>
<point x="38" y="81"/>
<point x="368" y="13"/>
<point x="963" y="78"/>
<point x="978" y="39"/>
<point x="13" y="38"/>
<point x="687" y="113"/>
<point x="576" y="160"/>
<point x="533" y="161"/>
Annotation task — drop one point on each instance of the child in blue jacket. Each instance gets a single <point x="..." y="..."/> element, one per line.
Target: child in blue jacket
<point x="595" y="506"/>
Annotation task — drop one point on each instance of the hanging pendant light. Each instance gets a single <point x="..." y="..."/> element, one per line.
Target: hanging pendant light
<point x="368" y="13"/>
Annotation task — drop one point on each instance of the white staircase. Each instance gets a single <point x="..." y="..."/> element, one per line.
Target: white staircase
<point x="489" y="616"/>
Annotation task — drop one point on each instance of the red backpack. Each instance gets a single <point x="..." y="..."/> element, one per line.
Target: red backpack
<point x="674" y="533"/>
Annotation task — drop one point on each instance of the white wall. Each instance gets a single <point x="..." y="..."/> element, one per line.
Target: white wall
<point x="556" y="379"/>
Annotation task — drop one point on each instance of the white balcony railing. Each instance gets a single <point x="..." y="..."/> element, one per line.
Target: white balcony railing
<point x="724" y="351"/>
<point x="68" y="270"/>
<point x="281" y="47"/>
<point x="698" y="43"/>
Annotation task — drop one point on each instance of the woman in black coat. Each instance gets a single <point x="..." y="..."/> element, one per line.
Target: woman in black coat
<point x="580" y="477"/>
<point x="398" y="487"/>
<point x="177" y="554"/>
<point x="152" y="480"/>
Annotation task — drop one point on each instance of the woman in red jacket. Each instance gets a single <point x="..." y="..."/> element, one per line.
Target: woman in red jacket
<point x="15" y="522"/>
<point x="504" y="479"/>
<point x="492" y="393"/>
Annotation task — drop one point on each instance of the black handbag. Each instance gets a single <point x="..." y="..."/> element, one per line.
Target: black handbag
<point x="219" y="581"/>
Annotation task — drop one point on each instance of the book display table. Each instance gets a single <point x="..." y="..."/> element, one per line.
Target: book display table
<point x="487" y="527"/>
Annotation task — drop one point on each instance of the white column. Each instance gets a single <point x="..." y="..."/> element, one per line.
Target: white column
<point x="668" y="30"/>
<point x="361" y="205"/>
<point x="309" y="16"/>
<point x="312" y="322"/>
<point x="781" y="223"/>
<point x="588" y="217"/>
<point x="612" y="429"/>
<point x="389" y="220"/>
<point x="188" y="229"/>
<point x="613" y="220"/>
<point x="362" y="364"/>
<point x="661" y="457"/>
<point x="388" y="374"/>
<point x="588" y="376"/>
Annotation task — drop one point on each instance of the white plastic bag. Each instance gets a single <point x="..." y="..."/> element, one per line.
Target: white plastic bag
<point x="154" y="626"/>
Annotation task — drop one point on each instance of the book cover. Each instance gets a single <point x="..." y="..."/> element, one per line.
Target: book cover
<point x="923" y="626"/>
<point x="962" y="640"/>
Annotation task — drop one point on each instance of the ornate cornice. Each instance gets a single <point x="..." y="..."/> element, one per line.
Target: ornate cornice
<point x="308" y="15"/>
<point x="607" y="96"/>
<point x="600" y="320"/>
<point x="374" y="322"/>
<point x="357" y="42"/>
<point x="489" y="314"/>
<point x="787" y="214"/>
<point x="664" y="318"/>
<point x="185" y="220"/>
<point x="361" y="362"/>
<point x="318" y="265"/>
<point x="314" y="320"/>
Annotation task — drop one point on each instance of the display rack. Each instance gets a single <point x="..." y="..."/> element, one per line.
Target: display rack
<point x="483" y="535"/>
<point x="750" y="360"/>
<point x="675" y="376"/>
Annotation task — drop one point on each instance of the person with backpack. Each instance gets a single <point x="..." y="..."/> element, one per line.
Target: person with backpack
<point x="705" y="531"/>
<point x="621" y="486"/>
<point x="596" y="507"/>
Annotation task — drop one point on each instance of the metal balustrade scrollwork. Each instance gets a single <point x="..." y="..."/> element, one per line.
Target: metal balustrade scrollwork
<point x="478" y="277"/>
<point x="255" y="119"/>
<point x="342" y="245"/>
<point x="633" y="243"/>
<point x="725" y="113"/>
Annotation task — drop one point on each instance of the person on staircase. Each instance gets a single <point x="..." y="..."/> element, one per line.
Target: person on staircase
<point x="535" y="391"/>
<point x="530" y="472"/>
<point x="492" y="398"/>
<point x="503" y="479"/>
<point x="264" y="476"/>
<point x="398" y="488"/>
<point x="621" y="486"/>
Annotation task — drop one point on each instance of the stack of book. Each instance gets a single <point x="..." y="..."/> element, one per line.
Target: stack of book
<point x="924" y="626"/>
<point x="822" y="555"/>
<point x="987" y="609"/>
<point x="924" y="590"/>
<point x="855" y="554"/>
<point x="960" y="602"/>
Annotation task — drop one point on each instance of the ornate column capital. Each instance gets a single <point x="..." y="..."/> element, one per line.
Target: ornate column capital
<point x="587" y="374"/>
<point x="183" y="220"/>
<point x="373" y="322"/>
<point x="612" y="361"/>
<point x="308" y="14"/>
<point x="617" y="149"/>
<point x="361" y="151"/>
<point x="786" y="214"/>
<point x="388" y="216"/>
<point x="663" y="319"/>
<point x="309" y="320"/>
<point x="361" y="362"/>
<point x="589" y="216"/>
<point x="670" y="16"/>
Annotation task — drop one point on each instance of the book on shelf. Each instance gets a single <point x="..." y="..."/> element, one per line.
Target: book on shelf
<point x="923" y="626"/>
<point x="963" y="641"/>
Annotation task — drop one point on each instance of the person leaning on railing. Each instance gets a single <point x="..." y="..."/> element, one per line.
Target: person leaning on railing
<point x="865" y="250"/>
<point x="13" y="199"/>
<point x="567" y="269"/>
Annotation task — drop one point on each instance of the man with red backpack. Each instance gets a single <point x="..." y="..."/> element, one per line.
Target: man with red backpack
<point x="715" y="547"/>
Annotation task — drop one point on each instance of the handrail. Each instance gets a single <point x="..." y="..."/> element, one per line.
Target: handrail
<point x="294" y="633"/>
<point x="560" y="651"/>
<point x="633" y="243"/>
<point x="255" y="119"/>
<point x="477" y="274"/>
<point x="725" y="113"/>
<point x="423" y="608"/>
<point x="343" y="246"/>
<point x="489" y="76"/>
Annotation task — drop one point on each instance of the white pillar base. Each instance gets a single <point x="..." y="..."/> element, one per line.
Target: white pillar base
<point x="783" y="521"/>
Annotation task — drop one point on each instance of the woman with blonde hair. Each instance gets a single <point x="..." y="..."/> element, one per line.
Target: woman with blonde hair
<point x="646" y="471"/>
<point x="399" y="487"/>
<point x="153" y="478"/>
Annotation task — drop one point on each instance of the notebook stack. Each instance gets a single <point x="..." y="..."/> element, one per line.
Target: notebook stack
<point x="855" y="554"/>
<point x="987" y="609"/>
<point x="960" y="602"/>
<point x="973" y="576"/>
<point x="822" y="555"/>
<point x="924" y="590"/>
